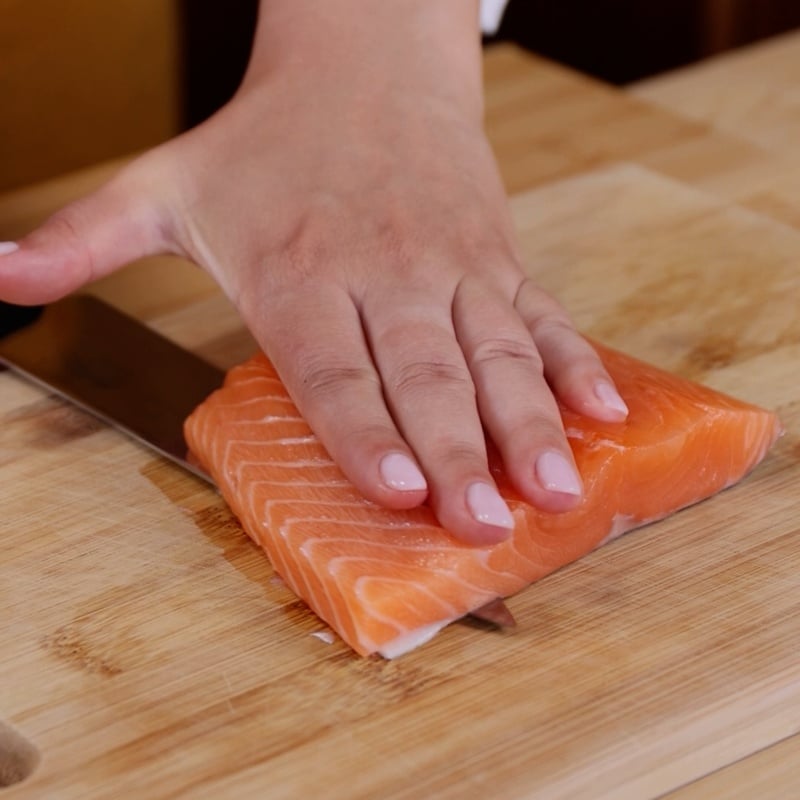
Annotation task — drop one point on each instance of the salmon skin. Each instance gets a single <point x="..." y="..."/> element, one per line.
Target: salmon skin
<point x="387" y="581"/>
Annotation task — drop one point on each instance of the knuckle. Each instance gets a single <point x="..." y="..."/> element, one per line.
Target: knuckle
<point x="554" y="323"/>
<point x="398" y="240"/>
<point x="303" y="250"/>
<point x="64" y="224"/>
<point x="537" y="302"/>
<point x="498" y="349"/>
<point x="77" y="258"/>
<point x="369" y="436"/>
<point x="458" y="455"/>
<point x="498" y="252"/>
<point x="326" y="380"/>
<point x="431" y="375"/>
<point x="535" y="432"/>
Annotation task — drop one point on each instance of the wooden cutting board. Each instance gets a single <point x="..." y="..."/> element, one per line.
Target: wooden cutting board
<point x="149" y="651"/>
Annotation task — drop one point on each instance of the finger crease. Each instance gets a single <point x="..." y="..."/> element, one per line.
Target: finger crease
<point x="322" y="380"/>
<point x="85" y="255"/>
<point x="505" y="350"/>
<point x="432" y="374"/>
<point x="550" y="326"/>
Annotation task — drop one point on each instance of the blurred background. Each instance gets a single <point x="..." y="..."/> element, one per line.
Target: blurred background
<point x="82" y="81"/>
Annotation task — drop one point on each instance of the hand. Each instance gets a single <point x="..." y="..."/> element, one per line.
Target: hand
<point x="348" y="202"/>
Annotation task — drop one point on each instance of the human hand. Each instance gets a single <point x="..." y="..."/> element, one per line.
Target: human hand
<point x="355" y="216"/>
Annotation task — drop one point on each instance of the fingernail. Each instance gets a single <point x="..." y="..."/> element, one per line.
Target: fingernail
<point x="6" y="248"/>
<point x="609" y="397"/>
<point x="556" y="474"/>
<point x="486" y="506"/>
<point x="398" y="471"/>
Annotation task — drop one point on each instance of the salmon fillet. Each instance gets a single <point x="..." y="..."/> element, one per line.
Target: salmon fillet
<point x="387" y="581"/>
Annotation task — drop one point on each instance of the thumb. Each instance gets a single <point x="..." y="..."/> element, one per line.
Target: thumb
<point x="85" y="240"/>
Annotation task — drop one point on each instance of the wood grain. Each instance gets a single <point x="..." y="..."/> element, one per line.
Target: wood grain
<point x="770" y="774"/>
<point x="545" y="122"/>
<point x="750" y="93"/>
<point x="149" y="649"/>
<point x="748" y="98"/>
<point x="749" y="155"/>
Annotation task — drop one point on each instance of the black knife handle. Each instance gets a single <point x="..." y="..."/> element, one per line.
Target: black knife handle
<point x="13" y="317"/>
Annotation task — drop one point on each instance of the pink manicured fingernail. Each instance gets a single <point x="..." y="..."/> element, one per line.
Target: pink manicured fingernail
<point x="609" y="397"/>
<point x="398" y="471"/>
<point x="6" y="248"/>
<point x="556" y="474"/>
<point x="486" y="506"/>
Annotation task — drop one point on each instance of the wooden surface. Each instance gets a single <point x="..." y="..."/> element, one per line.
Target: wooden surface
<point x="148" y="650"/>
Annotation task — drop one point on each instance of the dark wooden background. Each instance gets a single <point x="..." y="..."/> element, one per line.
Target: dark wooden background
<point x="616" y="40"/>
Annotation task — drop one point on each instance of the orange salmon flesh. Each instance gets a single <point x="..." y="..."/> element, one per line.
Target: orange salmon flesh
<point x="387" y="581"/>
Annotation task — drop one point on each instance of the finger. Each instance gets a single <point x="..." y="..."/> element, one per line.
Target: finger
<point x="571" y="366"/>
<point x="515" y="401"/>
<point x="432" y="399"/>
<point x="317" y="345"/>
<point x="83" y="241"/>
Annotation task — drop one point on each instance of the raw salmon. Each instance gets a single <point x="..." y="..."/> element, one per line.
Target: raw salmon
<point x="387" y="581"/>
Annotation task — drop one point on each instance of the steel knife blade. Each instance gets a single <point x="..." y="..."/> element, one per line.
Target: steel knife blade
<point x="114" y="367"/>
<point x="117" y="368"/>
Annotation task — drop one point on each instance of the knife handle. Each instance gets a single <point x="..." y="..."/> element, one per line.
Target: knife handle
<point x="13" y="317"/>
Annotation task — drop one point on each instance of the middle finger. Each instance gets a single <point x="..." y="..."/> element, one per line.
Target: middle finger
<point x="431" y="396"/>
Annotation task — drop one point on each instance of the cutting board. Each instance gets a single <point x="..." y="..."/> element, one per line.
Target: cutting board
<point x="149" y="650"/>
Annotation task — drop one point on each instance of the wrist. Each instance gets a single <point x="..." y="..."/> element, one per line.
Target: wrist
<point x="362" y="47"/>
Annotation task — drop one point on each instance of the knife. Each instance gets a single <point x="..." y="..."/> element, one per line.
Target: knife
<point x="112" y="366"/>
<point x="118" y="369"/>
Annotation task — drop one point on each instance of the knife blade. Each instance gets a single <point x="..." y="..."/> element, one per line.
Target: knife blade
<point x="120" y="370"/>
<point x="114" y="367"/>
